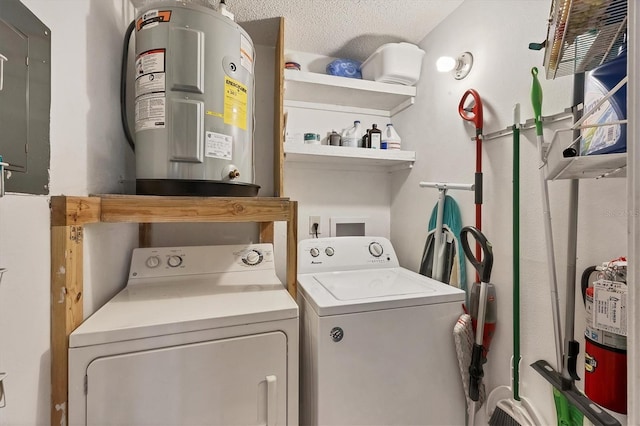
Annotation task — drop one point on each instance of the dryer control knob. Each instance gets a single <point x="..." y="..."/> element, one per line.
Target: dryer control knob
<point x="152" y="262"/>
<point x="376" y="249"/>
<point x="314" y="252"/>
<point x="252" y="258"/>
<point x="329" y="251"/>
<point x="174" y="261"/>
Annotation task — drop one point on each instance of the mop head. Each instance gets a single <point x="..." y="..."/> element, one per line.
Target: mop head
<point x="463" y="338"/>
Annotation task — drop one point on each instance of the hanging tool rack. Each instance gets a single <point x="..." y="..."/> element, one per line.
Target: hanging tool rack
<point x="581" y="35"/>
<point x="442" y="188"/>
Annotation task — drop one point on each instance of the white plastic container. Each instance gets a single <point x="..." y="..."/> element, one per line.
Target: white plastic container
<point x="398" y="63"/>
<point x="353" y="135"/>
<point x="390" y="138"/>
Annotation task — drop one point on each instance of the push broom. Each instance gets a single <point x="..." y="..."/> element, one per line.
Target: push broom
<point x="505" y="407"/>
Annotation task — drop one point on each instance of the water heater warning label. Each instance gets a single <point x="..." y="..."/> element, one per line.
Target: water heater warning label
<point x="150" y="62"/>
<point x="150" y="90"/>
<point x="218" y="145"/>
<point x="150" y="83"/>
<point x="235" y="103"/>
<point x="151" y="18"/>
<point x="150" y="112"/>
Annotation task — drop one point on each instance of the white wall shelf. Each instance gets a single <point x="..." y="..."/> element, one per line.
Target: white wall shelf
<point x="347" y="92"/>
<point x="588" y="167"/>
<point x="343" y="156"/>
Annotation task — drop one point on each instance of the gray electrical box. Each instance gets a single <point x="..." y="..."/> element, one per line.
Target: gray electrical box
<point x="25" y="98"/>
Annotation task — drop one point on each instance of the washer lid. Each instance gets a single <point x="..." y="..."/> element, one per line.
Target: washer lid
<point x="371" y="284"/>
<point x="342" y="292"/>
<point x="179" y="307"/>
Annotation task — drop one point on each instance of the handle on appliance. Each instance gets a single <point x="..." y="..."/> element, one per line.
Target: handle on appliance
<point x="2" y="166"/>
<point x="3" y="59"/>
<point x="3" y="399"/>
<point x="272" y="400"/>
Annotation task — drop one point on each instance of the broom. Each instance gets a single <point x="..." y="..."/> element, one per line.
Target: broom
<point x="507" y="405"/>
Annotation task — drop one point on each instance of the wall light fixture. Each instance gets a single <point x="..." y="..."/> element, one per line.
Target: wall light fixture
<point x="460" y="65"/>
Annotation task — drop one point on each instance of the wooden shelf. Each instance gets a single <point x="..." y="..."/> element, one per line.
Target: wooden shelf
<point x="70" y="214"/>
<point x="344" y="156"/>
<point x="347" y="92"/>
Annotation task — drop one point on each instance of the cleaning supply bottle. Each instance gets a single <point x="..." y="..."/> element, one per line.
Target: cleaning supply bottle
<point x="375" y="137"/>
<point x="352" y="136"/>
<point x="366" y="143"/>
<point x="390" y="138"/>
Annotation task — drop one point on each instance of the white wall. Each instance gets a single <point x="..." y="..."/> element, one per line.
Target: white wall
<point x="497" y="33"/>
<point x="333" y="190"/>
<point x="89" y="155"/>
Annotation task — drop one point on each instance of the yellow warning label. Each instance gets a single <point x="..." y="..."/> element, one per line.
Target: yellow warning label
<point x="235" y="103"/>
<point x="215" y="114"/>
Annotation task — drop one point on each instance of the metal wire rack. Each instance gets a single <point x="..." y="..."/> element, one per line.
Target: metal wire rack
<point x="583" y="34"/>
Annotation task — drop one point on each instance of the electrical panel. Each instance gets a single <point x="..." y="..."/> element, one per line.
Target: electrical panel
<point x="25" y="98"/>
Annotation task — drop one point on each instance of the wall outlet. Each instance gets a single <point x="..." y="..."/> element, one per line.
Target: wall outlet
<point x="312" y="221"/>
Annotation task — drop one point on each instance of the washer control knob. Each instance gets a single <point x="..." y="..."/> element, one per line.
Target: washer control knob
<point x="376" y="249"/>
<point x="252" y="258"/>
<point x="174" y="261"/>
<point x="314" y="252"/>
<point x="152" y="262"/>
<point x="329" y="251"/>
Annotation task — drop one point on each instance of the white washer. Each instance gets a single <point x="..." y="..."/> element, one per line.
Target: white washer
<point x="376" y="339"/>
<point x="199" y="336"/>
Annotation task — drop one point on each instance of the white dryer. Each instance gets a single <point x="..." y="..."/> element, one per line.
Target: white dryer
<point x="199" y="336"/>
<point x="376" y="339"/>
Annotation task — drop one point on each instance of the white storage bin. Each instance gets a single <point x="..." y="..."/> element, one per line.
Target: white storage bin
<point x="398" y="63"/>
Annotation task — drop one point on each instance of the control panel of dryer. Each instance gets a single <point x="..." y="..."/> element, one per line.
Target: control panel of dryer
<point x="344" y="254"/>
<point x="200" y="260"/>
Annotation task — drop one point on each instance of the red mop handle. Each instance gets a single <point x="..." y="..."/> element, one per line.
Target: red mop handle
<point x="478" y="195"/>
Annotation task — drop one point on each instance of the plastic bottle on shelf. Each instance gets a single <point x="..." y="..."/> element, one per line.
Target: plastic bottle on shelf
<point x="390" y="138"/>
<point x="352" y="136"/>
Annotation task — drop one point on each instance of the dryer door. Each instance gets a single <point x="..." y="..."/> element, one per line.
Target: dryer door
<point x="238" y="381"/>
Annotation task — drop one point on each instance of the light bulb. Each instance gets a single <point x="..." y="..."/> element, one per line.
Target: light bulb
<point x="445" y="64"/>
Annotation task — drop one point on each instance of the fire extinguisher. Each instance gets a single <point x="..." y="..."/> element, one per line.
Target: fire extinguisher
<point x="605" y="381"/>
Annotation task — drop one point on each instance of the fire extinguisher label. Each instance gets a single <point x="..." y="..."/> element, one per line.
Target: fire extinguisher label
<point x="610" y="306"/>
<point x="235" y="103"/>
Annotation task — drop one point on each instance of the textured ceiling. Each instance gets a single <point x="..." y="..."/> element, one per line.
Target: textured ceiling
<point x="345" y="28"/>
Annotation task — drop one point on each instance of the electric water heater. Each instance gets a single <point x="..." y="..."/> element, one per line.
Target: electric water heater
<point x="194" y="102"/>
